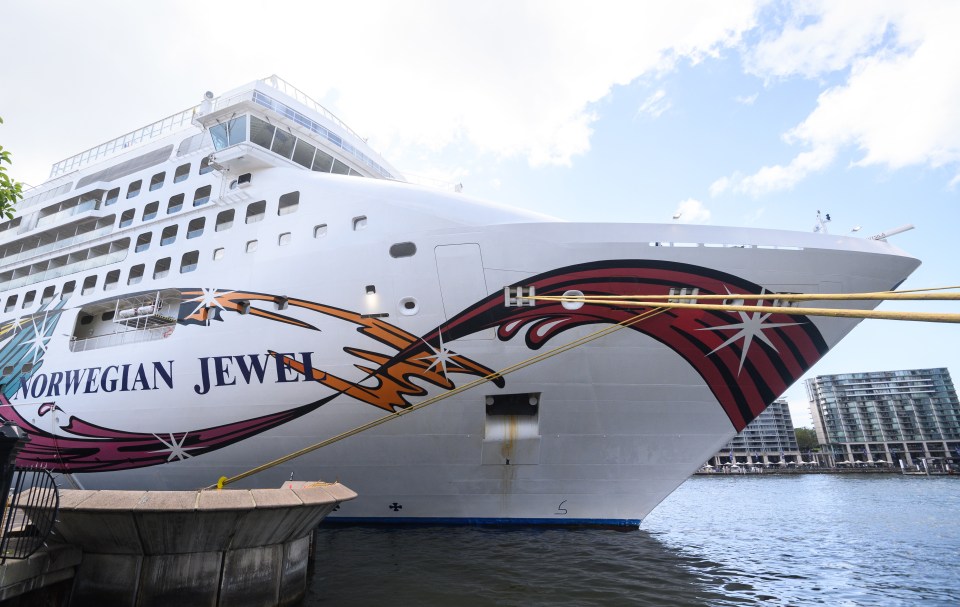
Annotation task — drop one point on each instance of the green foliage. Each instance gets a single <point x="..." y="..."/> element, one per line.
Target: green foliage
<point x="806" y="439"/>
<point x="10" y="190"/>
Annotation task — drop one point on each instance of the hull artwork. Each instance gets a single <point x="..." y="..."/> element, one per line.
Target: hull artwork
<point x="390" y="380"/>
<point x="289" y="304"/>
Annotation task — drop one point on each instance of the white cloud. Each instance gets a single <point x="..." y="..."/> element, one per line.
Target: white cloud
<point x="776" y="177"/>
<point x="655" y="105"/>
<point x="898" y="103"/>
<point x="822" y="36"/>
<point x="747" y="99"/>
<point x="507" y="78"/>
<point x="691" y="211"/>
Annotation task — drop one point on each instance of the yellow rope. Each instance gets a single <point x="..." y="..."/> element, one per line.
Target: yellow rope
<point x="915" y="295"/>
<point x="836" y="313"/>
<point x="223" y="481"/>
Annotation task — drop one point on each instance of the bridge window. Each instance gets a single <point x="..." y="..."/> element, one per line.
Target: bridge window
<point x="229" y="133"/>
<point x="322" y="162"/>
<point x="340" y="168"/>
<point x="261" y="133"/>
<point x="283" y="143"/>
<point x="303" y="154"/>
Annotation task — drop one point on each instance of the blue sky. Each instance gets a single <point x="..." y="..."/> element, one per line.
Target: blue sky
<point x="737" y="113"/>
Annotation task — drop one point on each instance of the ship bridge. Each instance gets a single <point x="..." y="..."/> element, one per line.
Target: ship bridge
<point x="270" y="123"/>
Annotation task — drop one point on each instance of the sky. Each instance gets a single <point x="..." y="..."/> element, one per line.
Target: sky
<point x="739" y="113"/>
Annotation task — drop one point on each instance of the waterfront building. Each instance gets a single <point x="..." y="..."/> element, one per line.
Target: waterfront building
<point x="768" y="440"/>
<point x="886" y="417"/>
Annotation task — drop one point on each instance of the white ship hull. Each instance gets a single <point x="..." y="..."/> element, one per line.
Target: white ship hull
<point x="258" y="354"/>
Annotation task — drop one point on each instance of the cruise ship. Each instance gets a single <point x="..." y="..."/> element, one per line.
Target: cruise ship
<point x="247" y="278"/>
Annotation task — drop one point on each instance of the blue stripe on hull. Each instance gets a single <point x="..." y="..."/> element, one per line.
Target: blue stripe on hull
<point x="504" y="522"/>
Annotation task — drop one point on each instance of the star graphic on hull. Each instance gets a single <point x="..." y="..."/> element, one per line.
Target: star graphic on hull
<point x="209" y="298"/>
<point x="441" y="356"/>
<point x="38" y="343"/>
<point x="751" y="325"/>
<point x="176" y="449"/>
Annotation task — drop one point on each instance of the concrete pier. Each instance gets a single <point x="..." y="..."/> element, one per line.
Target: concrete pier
<point x="238" y="547"/>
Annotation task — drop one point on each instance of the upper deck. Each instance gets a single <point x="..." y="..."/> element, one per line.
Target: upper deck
<point x="280" y="100"/>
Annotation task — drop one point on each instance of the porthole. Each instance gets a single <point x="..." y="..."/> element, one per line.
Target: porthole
<point x="408" y="306"/>
<point x="573" y="305"/>
<point x="403" y="249"/>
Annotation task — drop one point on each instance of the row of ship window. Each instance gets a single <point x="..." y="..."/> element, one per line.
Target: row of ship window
<point x="188" y="263"/>
<point x="256" y="211"/>
<point x="201" y="196"/>
<point x="157" y="181"/>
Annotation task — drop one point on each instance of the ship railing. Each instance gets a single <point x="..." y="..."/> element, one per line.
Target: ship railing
<point x="45" y="191"/>
<point x="291" y="91"/>
<point x="19" y="280"/>
<point x="131" y="336"/>
<point x="57" y="244"/>
<point x="29" y="512"/>
<point x="151" y="131"/>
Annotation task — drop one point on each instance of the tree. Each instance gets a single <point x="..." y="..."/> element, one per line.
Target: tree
<point x="10" y="190"/>
<point x="806" y="439"/>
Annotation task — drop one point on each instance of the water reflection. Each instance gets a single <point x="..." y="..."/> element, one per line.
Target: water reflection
<point x="482" y="566"/>
<point x="791" y="540"/>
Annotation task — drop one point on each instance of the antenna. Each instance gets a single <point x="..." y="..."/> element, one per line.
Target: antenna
<point x="822" y="222"/>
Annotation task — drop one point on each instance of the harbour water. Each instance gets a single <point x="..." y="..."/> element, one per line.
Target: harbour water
<point x="718" y="540"/>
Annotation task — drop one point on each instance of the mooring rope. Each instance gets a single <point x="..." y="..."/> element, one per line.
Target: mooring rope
<point x="679" y="301"/>
<point x="224" y="481"/>
<point x="657" y="305"/>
